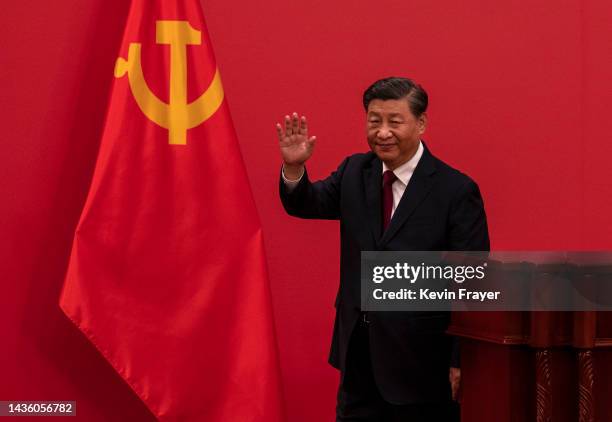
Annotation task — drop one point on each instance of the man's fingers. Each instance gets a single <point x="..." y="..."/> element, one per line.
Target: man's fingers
<point x="288" y="128"/>
<point x="295" y="124"/>
<point x="303" y="126"/>
<point x="454" y="377"/>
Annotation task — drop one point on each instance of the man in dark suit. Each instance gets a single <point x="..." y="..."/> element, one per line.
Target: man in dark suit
<point x="395" y="366"/>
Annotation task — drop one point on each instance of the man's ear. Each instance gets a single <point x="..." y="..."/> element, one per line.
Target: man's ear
<point x="422" y="123"/>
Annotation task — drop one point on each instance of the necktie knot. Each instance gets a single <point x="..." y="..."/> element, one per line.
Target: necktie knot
<point x="388" y="178"/>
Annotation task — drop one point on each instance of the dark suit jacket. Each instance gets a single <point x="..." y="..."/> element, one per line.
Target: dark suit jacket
<point x="440" y="210"/>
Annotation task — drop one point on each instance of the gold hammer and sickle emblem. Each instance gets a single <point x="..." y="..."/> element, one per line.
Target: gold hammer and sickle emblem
<point x="178" y="116"/>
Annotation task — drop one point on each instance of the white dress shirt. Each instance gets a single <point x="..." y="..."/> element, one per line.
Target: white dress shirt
<point x="403" y="174"/>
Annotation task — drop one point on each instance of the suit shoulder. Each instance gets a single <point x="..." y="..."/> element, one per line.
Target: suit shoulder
<point x="356" y="162"/>
<point x="361" y="158"/>
<point x="454" y="177"/>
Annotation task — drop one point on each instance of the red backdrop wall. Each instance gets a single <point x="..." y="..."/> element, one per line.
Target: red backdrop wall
<point x="520" y="94"/>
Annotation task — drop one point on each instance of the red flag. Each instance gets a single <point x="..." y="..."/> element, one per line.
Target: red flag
<point x="167" y="275"/>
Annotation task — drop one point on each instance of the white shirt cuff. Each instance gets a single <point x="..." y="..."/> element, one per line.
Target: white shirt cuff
<point x="290" y="184"/>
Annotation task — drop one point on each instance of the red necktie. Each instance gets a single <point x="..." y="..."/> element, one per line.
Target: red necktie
<point x="388" y="179"/>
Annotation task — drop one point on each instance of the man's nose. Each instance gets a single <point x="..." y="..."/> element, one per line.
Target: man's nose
<point x="384" y="133"/>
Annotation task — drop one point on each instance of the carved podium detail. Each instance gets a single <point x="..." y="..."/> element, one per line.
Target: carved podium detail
<point x="585" y="386"/>
<point x="543" y="386"/>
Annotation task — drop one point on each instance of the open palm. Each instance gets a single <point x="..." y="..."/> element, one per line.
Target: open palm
<point x="295" y="145"/>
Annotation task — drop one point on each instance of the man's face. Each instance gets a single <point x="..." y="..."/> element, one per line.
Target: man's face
<point x="393" y="131"/>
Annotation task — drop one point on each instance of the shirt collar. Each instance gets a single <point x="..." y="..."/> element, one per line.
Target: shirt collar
<point x="404" y="172"/>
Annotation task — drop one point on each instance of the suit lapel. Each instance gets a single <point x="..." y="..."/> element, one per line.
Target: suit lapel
<point x="418" y="187"/>
<point x="372" y="181"/>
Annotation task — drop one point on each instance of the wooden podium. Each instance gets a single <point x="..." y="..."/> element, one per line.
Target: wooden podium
<point x="536" y="366"/>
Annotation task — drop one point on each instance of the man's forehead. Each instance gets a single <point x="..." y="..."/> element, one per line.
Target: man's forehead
<point x="389" y="107"/>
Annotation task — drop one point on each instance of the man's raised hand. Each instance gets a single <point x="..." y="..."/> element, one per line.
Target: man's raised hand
<point x="295" y="145"/>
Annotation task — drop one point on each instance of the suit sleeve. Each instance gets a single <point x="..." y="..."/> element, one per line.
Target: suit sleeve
<point x="468" y="232"/>
<point x="468" y="221"/>
<point x="318" y="200"/>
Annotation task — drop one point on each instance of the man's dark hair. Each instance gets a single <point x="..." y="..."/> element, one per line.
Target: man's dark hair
<point x="395" y="88"/>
